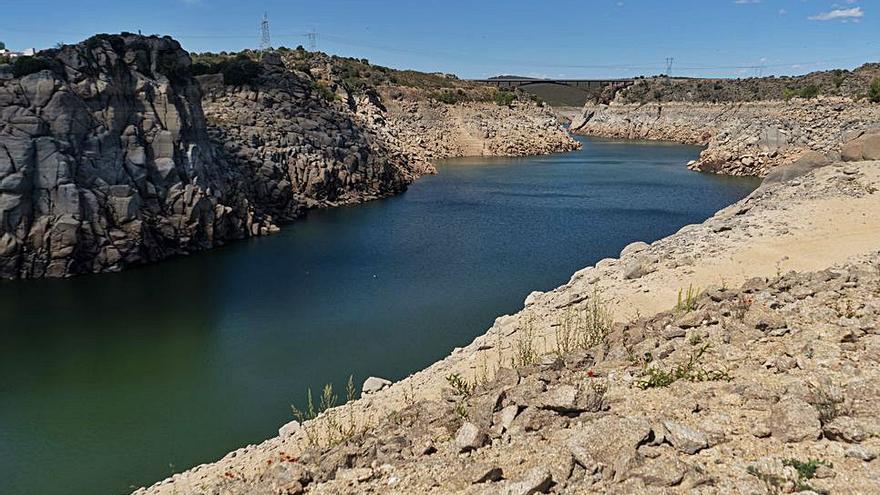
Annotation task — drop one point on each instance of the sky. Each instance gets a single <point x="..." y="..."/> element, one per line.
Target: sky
<point x="482" y="38"/>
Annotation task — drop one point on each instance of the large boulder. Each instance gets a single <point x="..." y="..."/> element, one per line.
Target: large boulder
<point x="806" y="163"/>
<point x="864" y="147"/>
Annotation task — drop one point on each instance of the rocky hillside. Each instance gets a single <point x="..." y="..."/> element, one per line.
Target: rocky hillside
<point x="739" y="355"/>
<point x="749" y="126"/>
<point x="422" y="116"/>
<point x="744" y="138"/>
<point x="105" y="161"/>
<point x="301" y="148"/>
<point x="854" y="84"/>
<point x="107" y="158"/>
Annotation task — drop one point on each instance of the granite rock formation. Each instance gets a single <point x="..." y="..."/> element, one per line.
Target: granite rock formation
<point x="105" y="162"/>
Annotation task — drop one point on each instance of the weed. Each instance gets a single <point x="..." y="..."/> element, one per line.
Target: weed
<point x="806" y="470"/>
<point x="461" y="386"/>
<point x="691" y="371"/>
<point x="741" y="306"/>
<point x="687" y="300"/>
<point x="526" y="354"/>
<point x="696" y="339"/>
<point x="584" y="328"/>
<point x="326" y="422"/>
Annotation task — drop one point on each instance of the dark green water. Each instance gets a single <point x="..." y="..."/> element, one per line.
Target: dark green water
<point x="106" y="381"/>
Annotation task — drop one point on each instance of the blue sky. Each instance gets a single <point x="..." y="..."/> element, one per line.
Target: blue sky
<point x="478" y="38"/>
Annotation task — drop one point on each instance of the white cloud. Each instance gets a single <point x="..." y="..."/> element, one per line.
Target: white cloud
<point x="783" y="12"/>
<point x="745" y="2"/>
<point x="842" y="14"/>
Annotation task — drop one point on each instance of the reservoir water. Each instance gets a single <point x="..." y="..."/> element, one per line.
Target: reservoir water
<point x="114" y="381"/>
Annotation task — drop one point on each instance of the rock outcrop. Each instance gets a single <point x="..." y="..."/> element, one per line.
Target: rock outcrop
<point x="105" y="162"/>
<point x="741" y="138"/>
<point x="301" y="148"/>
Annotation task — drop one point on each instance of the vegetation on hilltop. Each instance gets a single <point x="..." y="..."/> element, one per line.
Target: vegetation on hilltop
<point x="356" y="75"/>
<point x="854" y="84"/>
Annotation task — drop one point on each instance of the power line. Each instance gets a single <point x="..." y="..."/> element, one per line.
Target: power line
<point x="312" y="36"/>
<point x="265" y="40"/>
<point x="669" y="61"/>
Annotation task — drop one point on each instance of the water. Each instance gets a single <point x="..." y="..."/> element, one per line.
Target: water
<point x="110" y="382"/>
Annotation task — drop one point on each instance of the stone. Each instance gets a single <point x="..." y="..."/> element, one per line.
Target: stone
<point x="685" y="439"/>
<point x="289" y="429"/>
<point x="844" y="429"/>
<point x="635" y="247"/>
<point x="794" y="420"/>
<point x="861" y="453"/>
<point x="695" y="318"/>
<point x="470" y="437"/>
<point x="536" y="480"/>
<point x="486" y="474"/>
<point x="374" y="384"/>
<point x="763" y="318"/>
<point x="805" y="164"/>
<point x="592" y="449"/>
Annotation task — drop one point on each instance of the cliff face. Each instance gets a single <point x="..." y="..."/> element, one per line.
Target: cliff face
<point x="742" y="138"/>
<point x="105" y="162"/>
<point x="302" y="147"/>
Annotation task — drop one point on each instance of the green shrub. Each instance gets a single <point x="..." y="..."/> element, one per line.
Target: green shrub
<point x="504" y="98"/>
<point x="242" y="70"/>
<point x="450" y="97"/>
<point x="809" y="92"/>
<point x="23" y="66"/>
<point x="874" y="91"/>
<point x="324" y="91"/>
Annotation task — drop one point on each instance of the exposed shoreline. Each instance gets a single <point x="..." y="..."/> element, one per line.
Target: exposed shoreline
<point x="741" y="138"/>
<point x="796" y="225"/>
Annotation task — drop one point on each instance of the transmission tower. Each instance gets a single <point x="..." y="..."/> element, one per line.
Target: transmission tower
<point x="669" y="61"/>
<point x="312" y="36"/>
<point x="265" y="40"/>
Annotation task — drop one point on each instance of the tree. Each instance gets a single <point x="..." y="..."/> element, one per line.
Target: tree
<point x="2" y="45"/>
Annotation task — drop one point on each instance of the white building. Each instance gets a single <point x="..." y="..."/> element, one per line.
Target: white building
<point x="27" y="52"/>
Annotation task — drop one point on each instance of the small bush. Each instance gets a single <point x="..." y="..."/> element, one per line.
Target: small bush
<point x="23" y="66"/>
<point x="450" y="97"/>
<point x="874" y="91"/>
<point x="504" y="98"/>
<point x="324" y="91"/>
<point x="809" y="92"/>
<point x="240" y="71"/>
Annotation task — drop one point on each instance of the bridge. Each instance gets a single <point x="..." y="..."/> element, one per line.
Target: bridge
<point x="559" y="92"/>
<point x="584" y="84"/>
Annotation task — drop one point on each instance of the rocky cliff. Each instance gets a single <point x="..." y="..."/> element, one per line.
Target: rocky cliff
<point x="109" y="156"/>
<point x="742" y="138"/>
<point x="301" y="147"/>
<point x="105" y="161"/>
